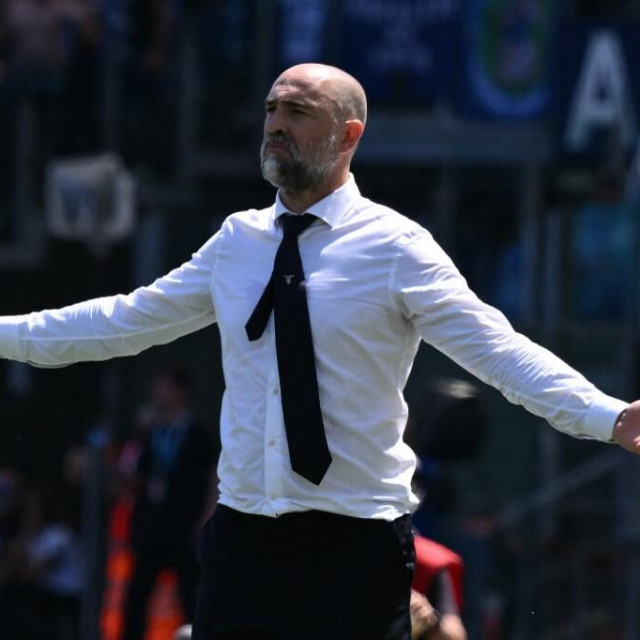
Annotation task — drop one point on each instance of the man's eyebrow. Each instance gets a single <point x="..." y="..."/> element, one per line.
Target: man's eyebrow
<point x="269" y="102"/>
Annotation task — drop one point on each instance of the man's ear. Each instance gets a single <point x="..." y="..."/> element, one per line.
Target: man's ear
<point x="352" y="133"/>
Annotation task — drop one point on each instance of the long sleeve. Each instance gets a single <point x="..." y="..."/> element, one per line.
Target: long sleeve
<point x="121" y="325"/>
<point x="449" y="316"/>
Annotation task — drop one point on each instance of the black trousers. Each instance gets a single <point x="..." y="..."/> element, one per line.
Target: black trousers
<point x="304" y="576"/>
<point x="150" y="560"/>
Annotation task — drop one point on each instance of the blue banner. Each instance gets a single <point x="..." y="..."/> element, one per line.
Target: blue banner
<point x="508" y="45"/>
<point x="596" y="86"/>
<point x="302" y="31"/>
<point x="405" y="52"/>
<point x="497" y="60"/>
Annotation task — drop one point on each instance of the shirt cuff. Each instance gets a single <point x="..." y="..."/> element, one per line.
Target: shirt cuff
<point x="601" y="418"/>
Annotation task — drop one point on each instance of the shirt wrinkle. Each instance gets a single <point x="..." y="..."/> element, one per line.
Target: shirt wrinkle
<point x="118" y="336"/>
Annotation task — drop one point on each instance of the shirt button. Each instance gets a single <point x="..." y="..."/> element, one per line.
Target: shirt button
<point x="275" y="391"/>
<point x="272" y="443"/>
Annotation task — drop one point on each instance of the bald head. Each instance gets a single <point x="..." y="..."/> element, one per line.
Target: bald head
<point x="331" y="83"/>
<point x="314" y="120"/>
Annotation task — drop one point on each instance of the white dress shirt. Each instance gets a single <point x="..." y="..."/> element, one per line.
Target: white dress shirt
<point x="377" y="284"/>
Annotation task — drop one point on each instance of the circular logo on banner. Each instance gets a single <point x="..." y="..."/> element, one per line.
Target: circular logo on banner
<point x="508" y="56"/>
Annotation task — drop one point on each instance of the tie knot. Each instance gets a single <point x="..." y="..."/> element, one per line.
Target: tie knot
<point x="293" y="225"/>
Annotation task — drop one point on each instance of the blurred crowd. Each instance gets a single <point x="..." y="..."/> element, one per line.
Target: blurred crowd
<point x="158" y="487"/>
<point x="41" y="561"/>
<point x="81" y="72"/>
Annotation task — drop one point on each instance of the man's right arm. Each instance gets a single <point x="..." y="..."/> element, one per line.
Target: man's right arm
<point x="121" y="325"/>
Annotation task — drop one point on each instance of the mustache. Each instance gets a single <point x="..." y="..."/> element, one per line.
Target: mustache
<point x="281" y="140"/>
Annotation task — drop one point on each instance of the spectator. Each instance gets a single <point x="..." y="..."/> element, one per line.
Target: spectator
<point x="36" y="46"/>
<point x="35" y="39"/>
<point x="437" y="592"/>
<point x="603" y="244"/>
<point x="44" y="571"/>
<point x="171" y="486"/>
<point x="149" y="94"/>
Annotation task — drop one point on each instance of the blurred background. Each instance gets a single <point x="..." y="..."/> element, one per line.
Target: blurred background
<point x="130" y="128"/>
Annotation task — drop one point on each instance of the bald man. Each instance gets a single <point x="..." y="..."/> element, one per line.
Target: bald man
<point x="312" y="536"/>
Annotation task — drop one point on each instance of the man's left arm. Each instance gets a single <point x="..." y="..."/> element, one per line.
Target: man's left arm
<point x="436" y="300"/>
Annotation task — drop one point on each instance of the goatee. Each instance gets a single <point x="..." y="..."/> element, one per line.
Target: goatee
<point x="296" y="173"/>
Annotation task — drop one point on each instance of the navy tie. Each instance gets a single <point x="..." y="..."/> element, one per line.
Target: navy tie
<point x="285" y="293"/>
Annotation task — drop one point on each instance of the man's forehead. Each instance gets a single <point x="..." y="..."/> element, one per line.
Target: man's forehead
<point x="299" y="89"/>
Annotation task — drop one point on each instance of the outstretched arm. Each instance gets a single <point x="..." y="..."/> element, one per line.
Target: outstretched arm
<point x="174" y="305"/>
<point x="435" y="298"/>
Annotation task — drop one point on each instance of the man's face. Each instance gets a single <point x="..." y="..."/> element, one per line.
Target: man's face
<point x="300" y="144"/>
<point x="165" y="396"/>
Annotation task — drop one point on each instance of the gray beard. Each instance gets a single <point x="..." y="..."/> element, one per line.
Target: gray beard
<point x="297" y="174"/>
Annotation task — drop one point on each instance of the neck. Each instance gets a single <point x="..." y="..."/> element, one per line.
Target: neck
<point x="301" y="201"/>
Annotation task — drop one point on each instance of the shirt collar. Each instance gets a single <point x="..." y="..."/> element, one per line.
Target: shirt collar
<point x="331" y="208"/>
